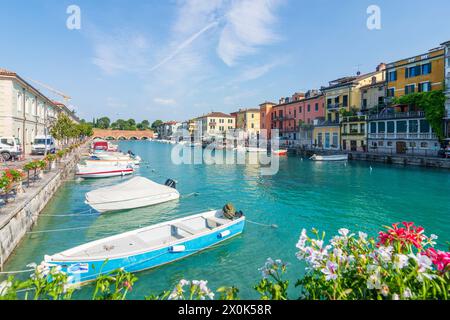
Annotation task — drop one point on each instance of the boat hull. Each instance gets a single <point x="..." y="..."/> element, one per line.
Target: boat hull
<point x="330" y="158"/>
<point x="104" y="174"/>
<point x="133" y="204"/>
<point x="82" y="272"/>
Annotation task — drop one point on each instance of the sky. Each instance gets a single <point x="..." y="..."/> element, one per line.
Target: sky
<point x="178" y="59"/>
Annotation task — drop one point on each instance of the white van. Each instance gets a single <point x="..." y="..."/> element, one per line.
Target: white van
<point x="10" y="148"/>
<point x="41" y="144"/>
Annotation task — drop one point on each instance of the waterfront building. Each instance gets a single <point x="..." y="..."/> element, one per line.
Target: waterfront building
<point x="343" y="99"/>
<point x="216" y="123"/>
<point x="248" y="120"/>
<point x="446" y="46"/>
<point x="265" y="120"/>
<point x="294" y="117"/>
<point x="403" y="129"/>
<point x="24" y="111"/>
<point x="169" y="130"/>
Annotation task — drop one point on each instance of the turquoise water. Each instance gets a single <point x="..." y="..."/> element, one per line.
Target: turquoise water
<point x="304" y="194"/>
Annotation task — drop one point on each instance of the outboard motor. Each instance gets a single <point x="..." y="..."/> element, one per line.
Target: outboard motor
<point x="171" y="183"/>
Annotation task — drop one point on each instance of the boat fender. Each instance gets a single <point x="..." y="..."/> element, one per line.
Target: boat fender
<point x="171" y="183"/>
<point x="179" y="248"/>
<point x="224" y="234"/>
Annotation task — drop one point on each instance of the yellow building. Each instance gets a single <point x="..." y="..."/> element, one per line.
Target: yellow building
<point x="422" y="73"/>
<point x="343" y="98"/>
<point x="248" y="120"/>
<point x="404" y="129"/>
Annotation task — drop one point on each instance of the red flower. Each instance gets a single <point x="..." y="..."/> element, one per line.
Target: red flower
<point x="410" y="234"/>
<point x="440" y="259"/>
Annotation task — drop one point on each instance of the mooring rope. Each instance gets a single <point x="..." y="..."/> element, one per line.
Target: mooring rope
<point x="16" y="272"/>
<point x="274" y="226"/>
<point x="81" y="213"/>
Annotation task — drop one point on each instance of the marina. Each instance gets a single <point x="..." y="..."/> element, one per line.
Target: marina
<point x="304" y="194"/>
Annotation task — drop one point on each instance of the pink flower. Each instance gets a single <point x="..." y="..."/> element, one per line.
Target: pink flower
<point x="440" y="259"/>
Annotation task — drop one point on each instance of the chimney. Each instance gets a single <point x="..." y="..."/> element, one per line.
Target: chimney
<point x="381" y="67"/>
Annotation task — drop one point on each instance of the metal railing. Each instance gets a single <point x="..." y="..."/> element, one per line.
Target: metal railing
<point x="397" y="115"/>
<point x="424" y="136"/>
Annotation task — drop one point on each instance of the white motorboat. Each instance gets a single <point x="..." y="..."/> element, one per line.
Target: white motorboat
<point x="256" y="150"/>
<point x="339" y="157"/>
<point x="106" y="171"/>
<point x="137" y="192"/>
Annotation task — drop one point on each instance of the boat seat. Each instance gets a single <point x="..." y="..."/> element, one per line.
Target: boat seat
<point x="217" y="221"/>
<point x="185" y="228"/>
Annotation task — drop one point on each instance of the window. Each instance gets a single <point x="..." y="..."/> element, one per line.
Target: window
<point x="362" y="128"/>
<point x="413" y="126"/>
<point x="424" y="145"/>
<point x="390" y="127"/>
<point x="424" y="126"/>
<point x="319" y="139"/>
<point x="413" y="71"/>
<point x="426" y="68"/>
<point x="300" y="109"/>
<point x="309" y="108"/>
<point x="410" y="88"/>
<point x="253" y="126"/>
<point x="8" y="142"/>
<point x="19" y="102"/>
<point x="425" y="86"/>
<point x="364" y="103"/>
<point x="335" y="140"/>
<point x="401" y="126"/>
<point x="391" y="92"/>
<point x="327" y="140"/>
<point x="381" y="127"/>
<point x="345" y="101"/>
<point x="253" y="115"/>
<point x="381" y="143"/>
<point x="389" y="144"/>
<point x="392" y="76"/>
<point x="316" y="107"/>
<point x="380" y="100"/>
<point x="373" y="127"/>
<point x="412" y="144"/>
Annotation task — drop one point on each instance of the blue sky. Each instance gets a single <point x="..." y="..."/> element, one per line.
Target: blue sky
<point x="176" y="59"/>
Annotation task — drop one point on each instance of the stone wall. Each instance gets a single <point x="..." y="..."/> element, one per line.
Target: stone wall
<point x="23" y="215"/>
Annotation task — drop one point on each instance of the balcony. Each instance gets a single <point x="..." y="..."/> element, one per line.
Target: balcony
<point x="354" y="119"/>
<point x="405" y="136"/>
<point x="353" y="133"/>
<point x="328" y="123"/>
<point x="334" y="106"/>
<point x="397" y="115"/>
<point x="290" y="130"/>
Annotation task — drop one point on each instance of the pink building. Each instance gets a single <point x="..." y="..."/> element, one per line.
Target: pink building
<point x="291" y="113"/>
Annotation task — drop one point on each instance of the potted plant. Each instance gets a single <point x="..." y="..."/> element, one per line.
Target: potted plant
<point x="51" y="160"/>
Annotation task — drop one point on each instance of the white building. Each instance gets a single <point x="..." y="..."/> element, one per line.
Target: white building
<point x="217" y="123"/>
<point x="24" y="111"/>
<point x="169" y="130"/>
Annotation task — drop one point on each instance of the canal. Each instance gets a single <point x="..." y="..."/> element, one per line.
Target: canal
<point x="304" y="194"/>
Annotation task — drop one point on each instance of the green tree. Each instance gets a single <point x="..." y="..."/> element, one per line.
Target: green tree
<point x="144" y="125"/>
<point x="156" y="124"/>
<point x="103" y="123"/>
<point x="432" y="103"/>
<point x="62" y="130"/>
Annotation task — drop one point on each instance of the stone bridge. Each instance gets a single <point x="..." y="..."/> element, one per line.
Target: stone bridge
<point x="123" y="134"/>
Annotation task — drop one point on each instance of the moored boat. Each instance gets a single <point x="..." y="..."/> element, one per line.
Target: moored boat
<point x="148" y="247"/>
<point x="105" y="171"/>
<point x="256" y="150"/>
<point x="339" y="157"/>
<point x="280" y="152"/>
<point x="137" y="192"/>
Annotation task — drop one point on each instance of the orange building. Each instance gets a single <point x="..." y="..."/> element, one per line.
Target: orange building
<point x="266" y="118"/>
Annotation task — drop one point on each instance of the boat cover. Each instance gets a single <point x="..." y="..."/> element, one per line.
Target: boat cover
<point x="135" y="188"/>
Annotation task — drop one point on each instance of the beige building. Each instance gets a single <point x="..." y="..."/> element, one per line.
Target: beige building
<point x="24" y="111"/>
<point x="248" y="120"/>
<point x="216" y="123"/>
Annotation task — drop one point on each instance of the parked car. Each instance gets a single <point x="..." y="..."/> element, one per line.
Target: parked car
<point x="10" y="148"/>
<point x="42" y="145"/>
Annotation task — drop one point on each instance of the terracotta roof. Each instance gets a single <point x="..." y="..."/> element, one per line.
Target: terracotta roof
<point x="217" y="115"/>
<point x="5" y="72"/>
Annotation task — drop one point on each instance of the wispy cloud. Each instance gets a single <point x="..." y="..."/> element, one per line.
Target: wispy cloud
<point x="120" y="53"/>
<point x="248" y="26"/>
<point x="164" y="102"/>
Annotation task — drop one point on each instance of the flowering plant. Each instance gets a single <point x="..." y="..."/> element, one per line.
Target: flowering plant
<point x="402" y="265"/>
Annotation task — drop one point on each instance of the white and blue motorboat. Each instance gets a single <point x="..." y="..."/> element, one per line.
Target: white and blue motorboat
<point x="148" y="247"/>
